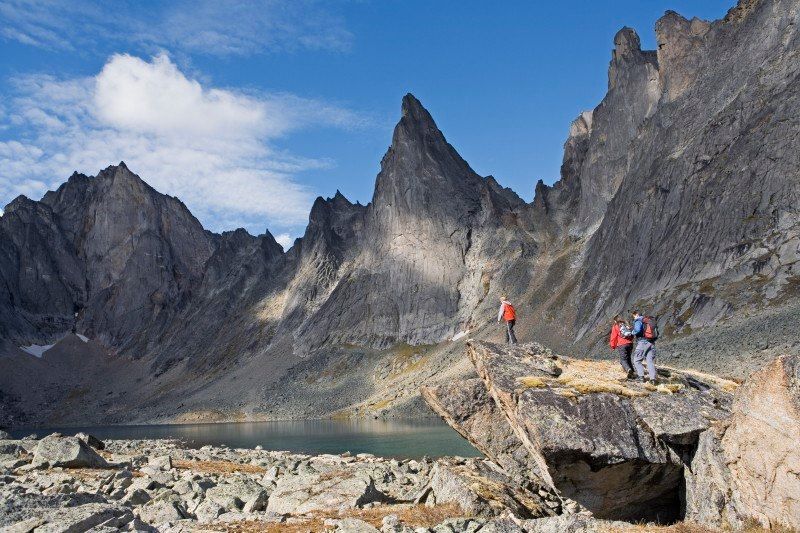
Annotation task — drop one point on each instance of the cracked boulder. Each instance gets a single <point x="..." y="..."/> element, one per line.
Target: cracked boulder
<point x="616" y="448"/>
<point x="747" y="467"/>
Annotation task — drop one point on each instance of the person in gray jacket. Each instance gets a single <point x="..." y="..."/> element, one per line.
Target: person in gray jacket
<point x="645" y="331"/>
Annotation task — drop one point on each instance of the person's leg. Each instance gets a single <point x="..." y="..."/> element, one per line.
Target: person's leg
<point x="624" y="353"/>
<point x="651" y="365"/>
<point x="512" y="339"/>
<point x="638" y="357"/>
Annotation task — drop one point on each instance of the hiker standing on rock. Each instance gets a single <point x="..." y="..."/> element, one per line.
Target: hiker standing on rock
<point x="509" y="314"/>
<point x="645" y="330"/>
<point x="621" y="341"/>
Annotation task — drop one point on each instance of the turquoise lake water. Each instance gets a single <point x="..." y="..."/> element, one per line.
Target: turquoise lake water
<point x="387" y="438"/>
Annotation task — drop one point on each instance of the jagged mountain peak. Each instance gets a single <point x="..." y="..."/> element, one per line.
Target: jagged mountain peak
<point x="413" y="108"/>
<point x="421" y="167"/>
<point x="626" y="43"/>
<point x="416" y="125"/>
<point x="122" y="173"/>
<point x="16" y="203"/>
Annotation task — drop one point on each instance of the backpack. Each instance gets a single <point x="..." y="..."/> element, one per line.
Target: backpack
<point x="649" y="328"/>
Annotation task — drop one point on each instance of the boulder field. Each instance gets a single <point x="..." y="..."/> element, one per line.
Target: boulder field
<point x="692" y="447"/>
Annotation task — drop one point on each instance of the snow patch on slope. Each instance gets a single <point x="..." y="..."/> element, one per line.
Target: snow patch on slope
<point x="36" y="350"/>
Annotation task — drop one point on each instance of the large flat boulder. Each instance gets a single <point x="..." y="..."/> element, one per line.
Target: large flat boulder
<point x="618" y="448"/>
<point x="480" y="491"/>
<point x="334" y="489"/>
<point x="70" y="452"/>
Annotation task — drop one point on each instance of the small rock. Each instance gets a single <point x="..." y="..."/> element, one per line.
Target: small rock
<point x="231" y="496"/>
<point x="161" y="477"/>
<point x="160" y="512"/>
<point x="163" y="462"/>
<point x="137" y="497"/>
<point x="208" y="511"/>
<point x="257" y="502"/>
<point x="182" y="487"/>
<point x="91" y="440"/>
<point x="24" y="526"/>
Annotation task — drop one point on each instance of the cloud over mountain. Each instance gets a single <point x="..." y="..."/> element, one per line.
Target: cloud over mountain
<point x="213" y="147"/>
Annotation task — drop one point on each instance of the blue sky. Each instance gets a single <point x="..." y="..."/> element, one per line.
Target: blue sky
<point x="248" y="111"/>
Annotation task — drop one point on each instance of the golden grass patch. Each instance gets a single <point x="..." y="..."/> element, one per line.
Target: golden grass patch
<point x="596" y="385"/>
<point x="532" y="382"/>
<point x="217" y="467"/>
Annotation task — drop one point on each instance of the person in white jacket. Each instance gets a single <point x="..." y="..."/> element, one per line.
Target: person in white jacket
<point x="509" y="314"/>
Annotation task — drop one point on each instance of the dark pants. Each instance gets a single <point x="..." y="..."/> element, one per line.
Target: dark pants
<point x="510" y="337"/>
<point x="624" y="351"/>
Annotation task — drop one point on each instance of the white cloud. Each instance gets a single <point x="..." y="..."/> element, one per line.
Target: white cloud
<point x="211" y="147"/>
<point x="205" y="26"/>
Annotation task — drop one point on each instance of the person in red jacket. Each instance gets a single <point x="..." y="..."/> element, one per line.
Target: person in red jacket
<point x="621" y="340"/>
<point x="509" y="314"/>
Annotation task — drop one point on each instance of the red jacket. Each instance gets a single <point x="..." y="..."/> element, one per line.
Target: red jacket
<point x="616" y="339"/>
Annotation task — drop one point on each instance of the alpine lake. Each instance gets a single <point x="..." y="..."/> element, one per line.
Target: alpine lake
<point x="401" y="439"/>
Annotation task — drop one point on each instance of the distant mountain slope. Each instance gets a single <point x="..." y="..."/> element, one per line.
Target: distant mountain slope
<point x="678" y="194"/>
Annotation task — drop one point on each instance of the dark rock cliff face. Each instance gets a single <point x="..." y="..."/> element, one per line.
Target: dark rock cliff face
<point x="710" y="194"/>
<point x="678" y="194"/>
<point x="43" y="283"/>
<point x="141" y="253"/>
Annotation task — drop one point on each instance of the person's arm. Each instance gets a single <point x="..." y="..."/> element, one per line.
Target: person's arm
<point x="637" y="327"/>
<point x="612" y="341"/>
<point x="500" y="312"/>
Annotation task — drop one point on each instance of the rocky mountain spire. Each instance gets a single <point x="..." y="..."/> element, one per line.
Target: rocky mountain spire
<point x="597" y="147"/>
<point x="421" y="169"/>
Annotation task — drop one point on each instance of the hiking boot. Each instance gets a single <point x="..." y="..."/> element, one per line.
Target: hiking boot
<point x="652" y="381"/>
<point x="631" y="375"/>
